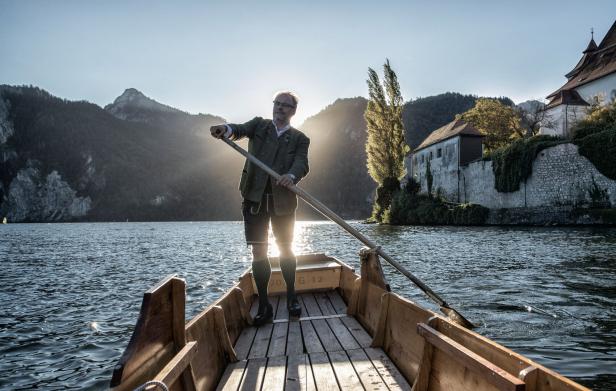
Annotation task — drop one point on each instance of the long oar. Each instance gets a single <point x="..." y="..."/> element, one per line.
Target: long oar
<point x="316" y="204"/>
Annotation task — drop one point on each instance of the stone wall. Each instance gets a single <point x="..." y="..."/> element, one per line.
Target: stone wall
<point x="560" y="177"/>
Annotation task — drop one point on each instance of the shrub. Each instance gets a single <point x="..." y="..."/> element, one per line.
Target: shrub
<point x="413" y="209"/>
<point x="600" y="149"/>
<point x="514" y="164"/>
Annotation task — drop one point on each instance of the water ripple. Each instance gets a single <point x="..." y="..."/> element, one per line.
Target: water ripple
<point x="70" y="293"/>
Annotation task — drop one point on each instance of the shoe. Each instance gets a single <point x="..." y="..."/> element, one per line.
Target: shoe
<point x="295" y="310"/>
<point x="264" y="317"/>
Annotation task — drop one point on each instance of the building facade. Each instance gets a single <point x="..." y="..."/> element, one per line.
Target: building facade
<point x="444" y="152"/>
<point x="591" y="81"/>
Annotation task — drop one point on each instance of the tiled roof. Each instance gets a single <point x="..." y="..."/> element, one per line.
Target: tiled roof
<point x="452" y="129"/>
<point x="569" y="97"/>
<point x="596" y="62"/>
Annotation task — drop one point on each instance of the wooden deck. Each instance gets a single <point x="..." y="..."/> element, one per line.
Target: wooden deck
<point x="324" y="350"/>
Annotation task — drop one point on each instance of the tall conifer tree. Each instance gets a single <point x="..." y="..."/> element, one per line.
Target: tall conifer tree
<point x="385" y="145"/>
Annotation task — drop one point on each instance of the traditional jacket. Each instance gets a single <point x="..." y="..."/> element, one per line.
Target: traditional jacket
<point x="287" y="154"/>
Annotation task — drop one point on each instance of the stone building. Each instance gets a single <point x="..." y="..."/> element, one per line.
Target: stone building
<point x="592" y="80"/>
<point x="447" y="149"/>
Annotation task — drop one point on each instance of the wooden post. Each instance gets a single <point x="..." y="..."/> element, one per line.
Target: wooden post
<point x="379" y="334"/>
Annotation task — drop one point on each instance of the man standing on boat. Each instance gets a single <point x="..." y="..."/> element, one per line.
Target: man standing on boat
<point x="285" y="150"/>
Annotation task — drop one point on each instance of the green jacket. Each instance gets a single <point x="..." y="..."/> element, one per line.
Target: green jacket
<point x="285" y="155"/>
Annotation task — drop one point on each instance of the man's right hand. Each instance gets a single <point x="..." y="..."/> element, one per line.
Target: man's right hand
<point x="218" y="130"/>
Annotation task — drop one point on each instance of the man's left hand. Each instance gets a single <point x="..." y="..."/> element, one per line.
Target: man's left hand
<point x="285" y="180"/>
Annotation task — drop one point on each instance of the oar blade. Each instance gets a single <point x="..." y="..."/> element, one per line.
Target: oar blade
<point x="457" y="318"/>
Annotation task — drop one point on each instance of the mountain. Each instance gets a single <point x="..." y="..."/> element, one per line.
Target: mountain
<point x="65" y="160"/>
<point x="138" y="159"/>
<point x="337" y="155"/>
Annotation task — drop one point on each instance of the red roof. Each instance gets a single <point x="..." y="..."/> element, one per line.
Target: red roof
<point x="456" y="127"/>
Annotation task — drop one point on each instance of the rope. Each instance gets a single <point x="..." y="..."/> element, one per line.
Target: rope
<point x="156" y="383"/>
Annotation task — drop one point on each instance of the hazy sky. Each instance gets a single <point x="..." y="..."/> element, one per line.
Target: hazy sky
<point x="228" y="58"/>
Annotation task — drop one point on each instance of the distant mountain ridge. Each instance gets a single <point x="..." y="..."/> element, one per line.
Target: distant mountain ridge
<point x="138" y="159"/>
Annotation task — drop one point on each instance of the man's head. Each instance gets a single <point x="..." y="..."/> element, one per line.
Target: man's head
<point x="285" y="104"/>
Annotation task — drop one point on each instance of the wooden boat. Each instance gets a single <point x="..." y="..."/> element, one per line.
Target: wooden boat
<point x="354" y="333"/>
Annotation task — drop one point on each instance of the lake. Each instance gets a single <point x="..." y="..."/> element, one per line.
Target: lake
<point x="70" y="293"/>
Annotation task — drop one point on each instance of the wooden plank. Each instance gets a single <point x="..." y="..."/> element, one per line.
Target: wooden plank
<point x="354" y="299"/>
<point x="223" y="335"/>
<point x="211" y="362"/>
<point x="312" y="318"/>
<point x="345" y="373"/>
<point x="261" y="342"/>
<point x="422" y="380"/>
<point x="244" y="342"/>
<point x="324" y="375"/>
<point x="401" y="342"/>
<point x="379" y="333"/>
<point x="232" y="377"/>
<point x="278" y="342"/>
<point x="344" y="336"/>
<point x="312" y="308"/>
<point x="327" y="337"/>
<point x="361" y="336"/>
<point x="282" y="312"/>
<point x="371" y="270"/>
<point x="337" y="302"/>
<point x="312" y="344"/>
<point x="308" y="279"/>
<point x="155" y="338"/>
<point x="369" y="376"/>
<point x="275" y="374"/>
<point x="504" y="358"/>
<point x="299" y="374"/>
<point x="324" y="304"/>
<point x="388" y="371"/>
<point x="253" y="375"/>
<point x="487" y="370"/>
<point x="529" y="376"/>
<point x="295" y="345"/>
<point x="178" y="364"/>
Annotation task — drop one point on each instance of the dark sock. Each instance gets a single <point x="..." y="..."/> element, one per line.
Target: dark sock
<point x="261" y="271"/>
<point x="288" y="266"/>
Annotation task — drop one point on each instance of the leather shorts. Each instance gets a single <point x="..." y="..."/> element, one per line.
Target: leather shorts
<point x="257" y="218"/>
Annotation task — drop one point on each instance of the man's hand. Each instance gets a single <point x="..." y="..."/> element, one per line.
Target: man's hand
<point x="218" y="131"/>
<point x="285" y="180"/>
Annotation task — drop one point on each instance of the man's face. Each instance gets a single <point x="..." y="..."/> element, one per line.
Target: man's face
<point x="284" y="109"/>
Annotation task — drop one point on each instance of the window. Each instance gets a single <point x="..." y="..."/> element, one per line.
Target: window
<point x="422" y="158"/>
<point x="431" y="156"/>
<point x="439" y="152"/>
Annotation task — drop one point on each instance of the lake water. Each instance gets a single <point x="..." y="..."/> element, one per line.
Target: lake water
<point x="70" y="293"/>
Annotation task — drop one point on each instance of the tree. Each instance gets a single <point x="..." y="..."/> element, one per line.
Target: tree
<point x="533" y="117"/>
<point x="385" y="146"/>
<point x="498" y="122"/>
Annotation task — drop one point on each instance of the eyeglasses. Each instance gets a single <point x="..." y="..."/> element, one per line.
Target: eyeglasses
<point x="285" y="105"/>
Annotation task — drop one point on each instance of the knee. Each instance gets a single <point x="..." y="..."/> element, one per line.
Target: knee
<point x="286" y="252"/>
<point x="259" y="252"/>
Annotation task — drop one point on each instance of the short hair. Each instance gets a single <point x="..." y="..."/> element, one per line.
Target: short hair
<point x="292" y="94"/>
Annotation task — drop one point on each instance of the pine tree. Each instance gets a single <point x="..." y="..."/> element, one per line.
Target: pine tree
<point x="385" y="145"/>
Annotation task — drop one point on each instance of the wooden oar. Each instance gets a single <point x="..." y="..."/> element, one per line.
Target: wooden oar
<point x="325" y="211"/>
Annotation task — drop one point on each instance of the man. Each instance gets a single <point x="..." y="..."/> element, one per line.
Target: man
<point x="285" y="150"/>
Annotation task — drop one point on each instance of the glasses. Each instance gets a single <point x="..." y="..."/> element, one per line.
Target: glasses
<point x="285" y="105"/>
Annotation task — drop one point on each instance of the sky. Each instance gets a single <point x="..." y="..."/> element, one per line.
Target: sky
<point x="228" y="58"/>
